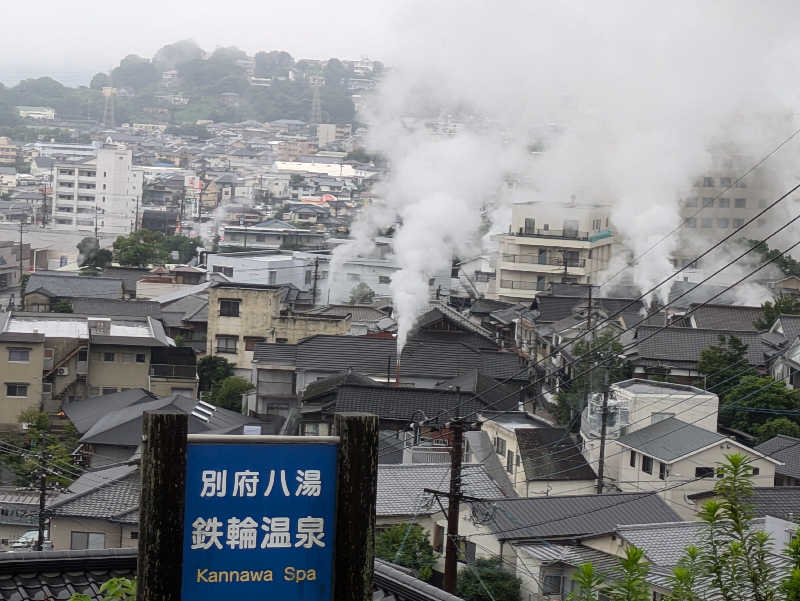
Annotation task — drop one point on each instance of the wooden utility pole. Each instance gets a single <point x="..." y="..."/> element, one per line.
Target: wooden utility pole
<point x="453" y="506"/>
<point x="603" y="424"/>
<point x="159" y="565"/>
<point x="354" y="555"/>
<point x="20" y="253"/>
<point x="42" y="495"/>
<point x="316" y="270"/>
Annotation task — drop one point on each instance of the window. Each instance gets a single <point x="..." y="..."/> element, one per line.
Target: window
<point x="87" y="540"/>
<point x="756" y="471"/>
<point x="632" y="459"/>
<point x="127" y="357"/>
<point x="740" y="203"/>
<point x="384" y="279"/>
<point x="141" y="357"/>
<point x="708" y="182"/>
<point x="660" y="417"/>
<point x="308" y="278"/>
<point x="663" y="471"/>
<point x="273" y="277"/>
<point x="229" y="308"/>
<point x="551" y="584"/>
<point x="530" y="225"/>
<point x="250" y="342"/>
<point x="706" y="222"/>
<point x="704" y="472"/>
<point x="741" y="185"/>
<point x="500" y="445"/>
<point x="109" y="390"/>
<point x="738" y="222"/>
<point x="228" y="271"/>
<point x="16" y="389"/>
<point x="226" y="344"/>
<point x="19" y="354"/>
<point x="724" y="203"/>
<point x="134" y="535"/>
<point x="510" y="462"/>
<point x="708" y="202"/>
<point x="725" y="182"/>
<point x="723" y="223"/>
<point x="438" y="539"/>
<point x="108" y="357"/>
<point x="353" y="277"/>
<point x="691" y="202"/>
<point x="647" y="464"/>
<point x="83" y="354"/>
<point x="311" y="429"/>
<point x="691" y="222"/>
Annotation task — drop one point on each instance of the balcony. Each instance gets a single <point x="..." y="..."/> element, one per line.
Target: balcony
<point x="520" y="285"/>
<point x="174" y="371"/>
<point x="558" y="234"/>
<point x="540" y="260"/>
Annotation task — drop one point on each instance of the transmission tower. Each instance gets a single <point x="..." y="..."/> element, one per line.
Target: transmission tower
<point x="108" y="109"/>
<point x="316" y="83"/>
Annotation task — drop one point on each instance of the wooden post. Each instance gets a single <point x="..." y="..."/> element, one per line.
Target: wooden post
<point x="354" y="554"/>
<point x="453" y="506"/>
<point x="161" y="507"/>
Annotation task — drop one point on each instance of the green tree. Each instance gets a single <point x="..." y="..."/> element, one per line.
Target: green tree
<point x="296" y="180"/>
<point x="91" y="255"/>
<point x="170" y="56"/>
<point x="407" y="546"/>
<point x="211" y="370"/>
<point x="273" y="64"/>
<point x="186" y="246"/>
<point x="755" y="391"/>
<point x="777" y="425"/>
<point x="631" y="583"/>
<point x="62" y="305"/>
<point x="57" y="467"/>
<point x="591" y="360"/>
<point x="488" y="574"/>
<point x="771" y="310"/>
<point x="361" y="294"/>
<point x="228" y="392"/>
<point x="135" y="72"/>
<point x="114" y="589"/>
<point x="724" y="364"/>
<point x="141" y="248"/>
<point x="587" y="584"/>
<point x="786" y="263"/>
<point x="100" y="81"/>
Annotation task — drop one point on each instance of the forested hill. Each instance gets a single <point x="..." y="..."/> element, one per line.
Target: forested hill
<point x="219" y="86"/>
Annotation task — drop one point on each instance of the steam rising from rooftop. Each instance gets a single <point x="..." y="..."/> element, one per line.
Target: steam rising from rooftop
<point x="639" y="93"/>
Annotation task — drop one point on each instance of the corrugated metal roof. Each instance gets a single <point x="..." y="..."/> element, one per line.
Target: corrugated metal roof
<point x="670" y="439"/>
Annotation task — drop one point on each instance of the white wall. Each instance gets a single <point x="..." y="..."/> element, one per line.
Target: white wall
<point x="256" y="270"/>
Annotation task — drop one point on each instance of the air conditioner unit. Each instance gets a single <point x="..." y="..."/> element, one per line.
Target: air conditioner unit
<point x="62" y="371"/>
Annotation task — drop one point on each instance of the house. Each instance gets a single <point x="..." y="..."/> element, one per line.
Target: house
<point x="45" y="574"/>
<point x="785" y="449"/>
<point x="551" y="463"/>
<point x="85" y="413"/>
<point x="46" y="288"/>
<point x="52" y="358"/>
<point x="364" y="319"/>
<point x="9" y="263"/>
<point x="273" y="234"/>
<point x="785" y="365"/>
<point x="678" y="459"/>
<point x="724" y="317"/>
<point x="241" y="316"/>
<point x="18" y="514"/>
<point x="109" y="307"/>
<point x="781" y="502"/>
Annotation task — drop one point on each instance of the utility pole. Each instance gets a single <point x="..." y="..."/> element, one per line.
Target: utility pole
<point x="42" y="494"/>
<point x="95" y="225"/>
<point x="456" y="455"/>
<point x="603" y="423"/>
<point x="316" y="270"/>
<point x="21" y="270"/>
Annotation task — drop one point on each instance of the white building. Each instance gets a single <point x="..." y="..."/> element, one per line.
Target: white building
<point x="36" y="112"/>
<point x="264" y="268"/>
<point x="105" y="188"/>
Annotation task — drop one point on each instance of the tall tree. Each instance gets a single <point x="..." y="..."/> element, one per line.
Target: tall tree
<point x="758" y="392"/>
<point x="228" y="392"/>
<point x="211" y="370"/>
<point x="724" y="364"/>
<point x="409" y="546"/>
<point x="771" y="310"/>
<point x="488" y="580"/>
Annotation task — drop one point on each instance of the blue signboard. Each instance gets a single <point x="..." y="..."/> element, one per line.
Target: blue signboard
<point x="259" y="519"/>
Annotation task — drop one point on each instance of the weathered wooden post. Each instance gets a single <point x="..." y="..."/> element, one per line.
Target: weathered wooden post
<point x="355" y="505"/>
<point x="161" y="507"/>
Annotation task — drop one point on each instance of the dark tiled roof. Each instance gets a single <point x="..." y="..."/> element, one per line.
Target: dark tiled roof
<point x="785" y="449"/>
<point x="778" y="501"/>
<point x="330" y="384"/>
<point x="670" y="439"/>
<point x="701" y="294"/>
<point x="682" y="346"/>
<point x="356" y="312"/>
<point x="272" y="352"/>
<point x="108" y="499"/>
<point x="573" y="516"/>
<point x="85" y="413"/>
<point x="551" y="454"/>
<point x="726" y="317"/>
<point x="71" y="285"/>
<point x="484" y="306"/>
<point x="492" y="393"/>
<point x="107" y="307"/>
<point x="790" y="326"/>
<point x="37" y="575"/>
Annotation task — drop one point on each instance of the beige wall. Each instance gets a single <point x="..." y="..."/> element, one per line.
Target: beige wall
<point x="61" y="529"/>
<point x="29" y="373"/>
<point x="167" y="386"/>
<point x="123" y="372"/>
<point x="12" y="532"/>
<point x="294" y="328"/>
<point x="34" y="298"/>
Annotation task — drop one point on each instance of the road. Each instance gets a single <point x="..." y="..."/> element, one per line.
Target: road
<point x="55" y="240"/>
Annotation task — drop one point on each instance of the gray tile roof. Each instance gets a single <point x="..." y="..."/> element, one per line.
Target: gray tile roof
<point x="483" y="452"/>
<point x="358" y="313"/>
<point x="683" y="346"/>
<point x="85" y="413"/>
<point x="493" y="393"/>
<point x="401" y="487"/>
<point x="670" y="439"/>
<point x="778" y="501"/>
<point x="726" y="317"/>
<point x="666" y="543"/>
<point x="72" y="285"/>
<point x="785" y="449"/>
<point x="551" y="454"/>
<point x="572" y="516"/>
<point x="790" y="326"/>
<point x="114" y="307"/>
<point x="108" y="498"/>
<point x="37" y="575"/>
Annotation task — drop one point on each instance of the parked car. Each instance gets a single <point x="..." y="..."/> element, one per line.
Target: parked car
<point x="28" y="541"/>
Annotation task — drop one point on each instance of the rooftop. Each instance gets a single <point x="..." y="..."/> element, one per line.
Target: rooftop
<point x="551" y="454"/>
<point x="70" y="285"/>
<point x="785" y="449"/>
<point x="670" y="439"/>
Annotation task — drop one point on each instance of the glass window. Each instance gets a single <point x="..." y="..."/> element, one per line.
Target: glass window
<point x="127" y="357"/>
<point x="510" y="462"/>
<point x="500" y="445"/>
<point x="725" y="182"/>
<point x="691" y="222"/>
<point x="308" y="278"/>
<point x="141" y="357"/>
<point x="724" y="203"/>
<point x="16" y="389"/>
<point x="250" y="342"/>
<point x="708" y="202"/>
<point x="740" y="203"/>
<point x="647" y="464"/>
<point x="551" y="584"/>
<point x="384" y="279"/>
<point x="708" y="182"/>
<point x="756" y="471"/>
<point x="632" y="459"/>
<point x="273" y="277"/>
<point x="19" y="354"/>
<point x="83" y="354"/>
<point x="226" y="344"/>
<point x="738" y="222"/>
<point x="704" y="472"/>
<point x="663" y="471"/>
<point x="87" y="540"/>
<point x="229" y="308"/>
<point x="108" y="357"/>
<point x="723" y="222"/>
<point x="706" y="222"/>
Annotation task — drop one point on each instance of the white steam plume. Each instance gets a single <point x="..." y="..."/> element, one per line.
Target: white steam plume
<point x="640" y="92"/>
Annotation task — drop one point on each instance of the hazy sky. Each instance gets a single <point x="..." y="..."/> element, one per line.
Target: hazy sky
<point x="71" y="41"/>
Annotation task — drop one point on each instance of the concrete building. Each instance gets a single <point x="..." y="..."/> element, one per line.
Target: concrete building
<point x="9" y="263"/>
<point x="552" y="243"/>
<point x="104" y="191"/>
<point x="273" y="234"/>
<point x="8" y="152"/>
<point x="36" y="112"/>
<point x="50" y="358"/>
<point x="265" y="267"/>
<point x="242" y="315"/>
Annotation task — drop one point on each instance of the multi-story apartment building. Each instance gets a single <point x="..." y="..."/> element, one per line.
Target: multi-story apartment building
<point x="717" y="204"/>
<point x="552" y="243"/>
<point x="8" y="152"/>
<point x="105" y="189"/>
<point x="242" y="315"/>
<point x="49" y="358"/>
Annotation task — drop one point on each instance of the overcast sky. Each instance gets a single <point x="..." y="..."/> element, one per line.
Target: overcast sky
<point x="73" y="40"/>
